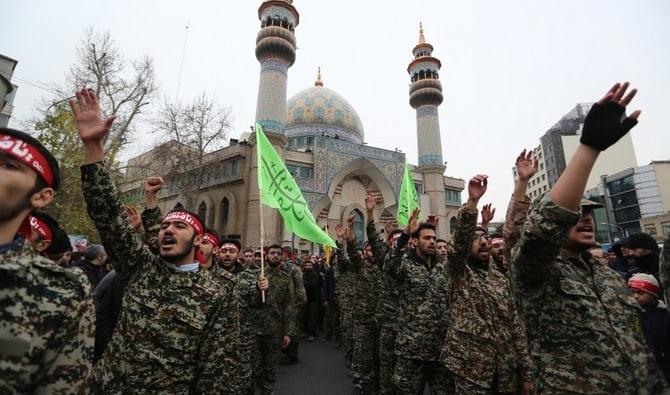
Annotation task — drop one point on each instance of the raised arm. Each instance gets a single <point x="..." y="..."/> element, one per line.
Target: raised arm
<point x="466" y="223"/>
<point x="393" y="265"/>
<point x="152" y="217"/>
<point x="550" y="219"/>
<point x="517" y="209"/>
<point x="603" y="127"/>
<point x="104" y="206"/>
<point x="379" y="248"/>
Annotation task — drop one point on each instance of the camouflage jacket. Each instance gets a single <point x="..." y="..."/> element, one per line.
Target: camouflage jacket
<point x="151" y="223"/>
<point x="422" y="303"/>
<point x="485" y="334"/>
<point x="368" y="283"/>
<point x="46" y="324"/>
<point x="517" y="211"/>
<point x="387" y="303"/>
<point x="583" y="322"/>
<point x="177" y="332"/>
<point x="295" y="272"/>
<point x="278" y="317"/>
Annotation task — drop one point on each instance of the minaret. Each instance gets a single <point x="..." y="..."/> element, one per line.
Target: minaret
<point x="275" y="50"/>
<point x="425" y="95"/>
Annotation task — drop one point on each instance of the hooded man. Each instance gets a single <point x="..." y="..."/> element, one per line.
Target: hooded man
<point x="46" y="314"/>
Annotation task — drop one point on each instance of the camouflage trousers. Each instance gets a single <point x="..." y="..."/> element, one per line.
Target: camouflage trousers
<point x="365" y="362"/>
<point x="347" y="325"/>
<point x="387" y="358"/>
<point x="266" y="362"/>
<point x="465" y="386"/>
<point x="332" y="322"/>
<point x="411" y="375"/>
<point x="247" y="349"/>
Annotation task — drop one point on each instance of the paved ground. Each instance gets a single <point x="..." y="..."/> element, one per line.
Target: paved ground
<point x="321" y="370"/>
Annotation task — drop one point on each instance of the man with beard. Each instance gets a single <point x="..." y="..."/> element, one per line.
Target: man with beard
<point x="386" y="309"/>
<point x="365" y="362"/>
<point x="179" y="326"/>
<point x="583" y="323"/>
<point x="208" y="247"/>
<point x="276" y="326"/>
<point x="422" y="310"/>
<point x="291" y="267"/>
<point x="46" y="313"/>
<point x="250" y="287"/>
<point x="248" y="257"/>
<point x="485" y="347"/>
<point x="93" y="264"/>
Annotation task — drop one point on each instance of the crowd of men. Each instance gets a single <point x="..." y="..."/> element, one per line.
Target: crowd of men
<point x="164" y="305"/>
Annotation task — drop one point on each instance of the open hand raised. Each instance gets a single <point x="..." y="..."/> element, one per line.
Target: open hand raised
<point x="90" y="124"/>
<point x="605" y="123"/>
<point x="526" y="166"/>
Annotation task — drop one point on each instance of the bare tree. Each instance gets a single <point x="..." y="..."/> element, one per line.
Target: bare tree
<point x="123" y="87"/>
<point x="189" y="132"/>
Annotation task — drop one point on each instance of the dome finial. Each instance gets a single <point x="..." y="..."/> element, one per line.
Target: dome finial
<point x="422" y="38"/>
<point x="318" y="81"/>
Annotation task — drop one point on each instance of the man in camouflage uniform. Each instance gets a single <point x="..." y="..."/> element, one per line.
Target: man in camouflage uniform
<point x="178" y="328"/>
<point x="250" y="303"/>
<point x="290" y="267"/>
<point x="365" y="362"/>
<point x="345" y="283"/>
<point x="583" y="322"/>
<point x="422" y="283"/>
<point x="386" y="310"/>
<point x="485" y="346"/>
<point x="276" y="322"/>
<point x="46" y="313"/>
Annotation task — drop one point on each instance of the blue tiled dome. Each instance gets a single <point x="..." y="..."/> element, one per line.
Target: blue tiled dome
<point x="319" y="110"/>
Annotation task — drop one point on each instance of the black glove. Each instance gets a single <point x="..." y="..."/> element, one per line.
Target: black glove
<point x="604" y="125"/>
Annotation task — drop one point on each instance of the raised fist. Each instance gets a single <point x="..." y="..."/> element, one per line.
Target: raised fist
<point x="153" y="185"/>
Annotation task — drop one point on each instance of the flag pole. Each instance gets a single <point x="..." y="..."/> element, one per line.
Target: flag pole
<point x="260" y="204"/>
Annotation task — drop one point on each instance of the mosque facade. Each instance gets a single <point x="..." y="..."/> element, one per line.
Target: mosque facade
<point x="321" y="138"/>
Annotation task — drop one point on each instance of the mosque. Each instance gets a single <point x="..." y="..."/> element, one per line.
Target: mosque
<point x="321" y="138"/>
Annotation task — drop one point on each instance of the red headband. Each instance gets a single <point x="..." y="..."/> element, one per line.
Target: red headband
<point x="28" y="154"/>
<point x="40" y="227"/>
<point x="211" y="238"/>
<point x="187" y="218"/>
<point x="229" y="245"/>
<point x="644" y="286"/>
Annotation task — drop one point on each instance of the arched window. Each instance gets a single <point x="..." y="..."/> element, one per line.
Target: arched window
<point x="359" y="226"/>
<point x="452" y="225"/>
<point x="225" y="212"/>
<point x="202" y="212"/>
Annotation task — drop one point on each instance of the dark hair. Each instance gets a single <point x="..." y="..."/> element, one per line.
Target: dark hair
<point x="93" y="251"/>
<point x="422" y="226"/>
<point x="441" y="241"/>
<point x="277" y="246"/>
<point x="229" y="240"/>
<point x="251" y="250"/>
<point x="60" y="244"/>
<point x="53" y="163"/>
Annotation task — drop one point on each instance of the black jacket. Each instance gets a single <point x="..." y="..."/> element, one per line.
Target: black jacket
<point x="108" y="297"/>
<point x="312" y="281"/>
<point x="656" y="328"/>
<point x="95" y="273"/>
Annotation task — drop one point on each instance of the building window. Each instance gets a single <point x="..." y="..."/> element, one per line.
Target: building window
<point x="651" y="229"/>
<point x="359" y="226"/>
<point x="543" y="177"/>
<point x="202" y="212"/>
<point x="418" y="187"/>
<point x="541" y="166"/>
<point x="452" y="225"/>
<point x="300" y="171"/>
<point x="665" y="227"/>
<point x="225" y="211"/>
<point x="621" y="185"/>
<point x="452" y="197"/>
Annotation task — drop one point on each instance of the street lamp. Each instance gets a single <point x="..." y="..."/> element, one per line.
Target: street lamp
<point x="622" y="231"/>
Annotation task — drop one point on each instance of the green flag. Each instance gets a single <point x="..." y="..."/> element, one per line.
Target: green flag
<point x="408" y="199"/>
<point x="279" y="190"/>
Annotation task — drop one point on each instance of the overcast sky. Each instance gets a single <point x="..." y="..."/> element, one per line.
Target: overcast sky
<point x="510" y="69"/>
